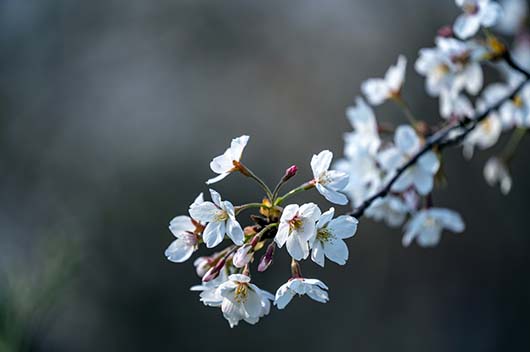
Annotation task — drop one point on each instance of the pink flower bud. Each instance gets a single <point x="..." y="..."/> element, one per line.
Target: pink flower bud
<point x="445" y="32"/>
<point x="242" y="256"/>
<point x="290" y="172"/>
<point x="266" y="260"/>
<point x="214" y="271"/>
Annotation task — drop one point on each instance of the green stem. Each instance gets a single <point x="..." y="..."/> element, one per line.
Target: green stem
<point x="240" y="208"/>
<point x="304" y="187"/>
<point x="512" y="145"/>
<point x="406" y="110"/>
<point x="265" y="229"/>
<point x="247" y="172"/>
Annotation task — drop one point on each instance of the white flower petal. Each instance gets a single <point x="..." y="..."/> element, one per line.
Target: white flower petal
<point x="179" y="251"/>
<point x="320" y="163"/>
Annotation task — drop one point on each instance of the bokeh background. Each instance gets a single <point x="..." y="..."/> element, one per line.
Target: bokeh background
<point x="110" y="112"/>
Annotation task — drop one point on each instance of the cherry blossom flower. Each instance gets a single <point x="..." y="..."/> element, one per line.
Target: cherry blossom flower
<point x="227" y="163"/>
<point x="390" y="209"/>
<point x="187" y="231"/>
<point x="220" y="219"/>
<point x="450" y="67"/>
<point x="476" y="13"/>
<point x="421" y="174"/>
<point x="297" y="229"/>
<point x="496" y="172"/>
<point x="314" y="288"/>
<point x="426" y="226"/>
<point x="377" y="90"/>
<point x="488" y="131"/>
<point x="360" y="151"/>
<point x="329" y="238"/>
<point x="365" y="134"/>
<point x="243" y="300"/>
<point x="328" y="182"/>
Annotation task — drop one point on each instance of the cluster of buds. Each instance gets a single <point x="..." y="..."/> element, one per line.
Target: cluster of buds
<point x="388" y="173"/>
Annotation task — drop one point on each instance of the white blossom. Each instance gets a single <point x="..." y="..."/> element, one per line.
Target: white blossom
<point x="377" y="90"/>
<point x="329" y="238"/>
<point x="476" y="13"/>
<point x="390" y="209"/>
<point x="360" y="151"/>
<point x="314" y="288"/>
<point x="297" y="229"/>
<point x="243" y="300"/>
<point x="226" y="163"/>
<point x="450" y="68"/>
<point x="186" y="230"/>
<point x="328" y="182"/>
<point x="419" y="175"/>
<point x="488" y="131"/>
<point x="220" y="219"/>
<point x="426" y="226"/>
<point x="496" y="172"/>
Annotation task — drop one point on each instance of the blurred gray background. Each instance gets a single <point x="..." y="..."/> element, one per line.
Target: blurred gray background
<point x="110" y="112"/>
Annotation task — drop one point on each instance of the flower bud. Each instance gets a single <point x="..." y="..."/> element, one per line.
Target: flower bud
<point x="242" y="256"/>
<point x="445" y="32"/>
<point x="214" y="271"/>
<point x="266" y="260"/>
<point x="290" y="172"/>
<point x="202" y="264"/>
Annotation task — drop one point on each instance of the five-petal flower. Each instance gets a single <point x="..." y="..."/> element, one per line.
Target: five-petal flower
<point x="228" y="162"/>
<point x="314" y="288"/>
<point x="187" y="231"/>
<point x="220" y="218"/>
<point x="476" y="13"/>
<point x="330" y="235"/>
<point x="426" y="226"/>
<point x="377" y="90"/>
<point x="297" y="229"/>
<point x="243" y="300"/>
<point x="329" y="182"/>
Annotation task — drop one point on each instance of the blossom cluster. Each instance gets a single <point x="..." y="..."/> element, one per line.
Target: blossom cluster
<point x="375" y="152"/>
<point x="388" y="173"/>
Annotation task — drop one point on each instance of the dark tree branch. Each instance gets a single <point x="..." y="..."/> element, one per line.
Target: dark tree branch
<point x="442" y="139"/>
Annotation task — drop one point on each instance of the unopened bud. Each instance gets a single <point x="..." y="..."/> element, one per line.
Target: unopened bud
<point x="290" y="172"/>
<point x="266" y="260"/>
<point x="242" y="256"/>
<point x="214" y="271"/>
<point x="445" y="32"/>
<point x="202" y="264"/>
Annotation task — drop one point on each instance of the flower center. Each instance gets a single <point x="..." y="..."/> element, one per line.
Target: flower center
<point x="324" y="235"/>
<point x="441" y="70"/>
<point x="241" y="293"/>
<point x="462" y="58"/>
<point x="296" y="222"/>
<point x="470" y="9"/>
<point x="221" y="215"/>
